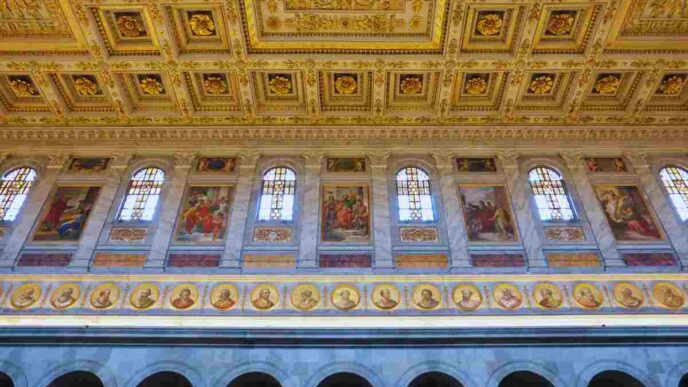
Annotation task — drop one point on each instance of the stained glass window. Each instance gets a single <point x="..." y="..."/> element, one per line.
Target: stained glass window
<point x="550" y="194"/>
<point x="675" y="181"/>
<point x="14" y="189"/>
<point x="142" y="195"/>
<point x="277" y="195"/>
<point x="413" y="195"/>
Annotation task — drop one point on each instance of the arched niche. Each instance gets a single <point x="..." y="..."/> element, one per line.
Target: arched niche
<point x="435" y="379"/>
<point x="165" y="379"/>
<point x="524" y="379"/>
<point x="5" y="380"/>
<point x="254" y="379"/>
<point x="344" y="379"/>
<point x="77" y="379"/>
<point x="614" y="379"/>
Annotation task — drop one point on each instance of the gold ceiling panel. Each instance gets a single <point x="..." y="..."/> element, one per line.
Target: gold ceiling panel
<point x="450" y="63"/>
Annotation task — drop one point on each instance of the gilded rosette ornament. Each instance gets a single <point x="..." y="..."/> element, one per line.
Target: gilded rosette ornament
<point x="215" y="85"/>
<point x="345" y="85"/>
<point x="85" y="87"/>
<point x="541" y="85"/>
<point x="151" y="86"/>
<point x="411" y="85"/>
<point x="280" y="85"/>
<point x="202" y="25"/>
<point x="607" y="85"/>
<point x="475" y="86"/>
<point x="672" y="85"/>
<point x="22" y="88"/>
<point x="560" y="24"/>
<point x="129" y="26"/>
<point x="489" y="25"/>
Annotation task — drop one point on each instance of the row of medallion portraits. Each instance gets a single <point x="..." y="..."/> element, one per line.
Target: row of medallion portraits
<point x="466" y="297"/>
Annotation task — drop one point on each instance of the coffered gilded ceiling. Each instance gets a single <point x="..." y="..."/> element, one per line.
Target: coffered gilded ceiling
<point x="92" y="63"/>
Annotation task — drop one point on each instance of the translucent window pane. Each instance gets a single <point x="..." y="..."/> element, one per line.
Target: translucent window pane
<point x="675" y="181"/>
<point x="413" y="195"/>
<point x="14" y="189"/>
<point x="549" y="191"/>
<point x="142" y="196"/>
<point x="277" y="195"/>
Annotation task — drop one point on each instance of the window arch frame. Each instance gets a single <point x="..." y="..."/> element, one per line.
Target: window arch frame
<point x="126" y="193"/>
<point x="430" y="194"/>
<point x="27" y="191"/>
<point x="294" y="183"/>
<point x="566" y="192"/>
<point x="676" y="210"/>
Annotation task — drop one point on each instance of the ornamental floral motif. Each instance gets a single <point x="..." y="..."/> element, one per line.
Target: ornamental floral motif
<point x="541" y="85"/>
<point x="672" y="85"/>
<point x="22" y="88"/>
<point x="202" y="25"/>
<point x="411" y="85"/>
<point x="215" y="85"/>
<point x="489" y="25"/>
<point x="130" y="26"/>
<point x="280" y="85"/>
<point x="475" y="86"/>
<point x="85" y="86"/>
<point x="607" y="85"/>
<point x="274" y="22"/>
<point x="345" y="84"/>
<point x="560" y="24"/>
<point x="151" y="86"/>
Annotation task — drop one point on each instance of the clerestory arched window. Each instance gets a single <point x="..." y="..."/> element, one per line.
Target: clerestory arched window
<point x="414" y="196"/>
<point x="14" y="189"/>
<point x="277" y="195"/>
<point x="551" y="197"/>
<point x="142" y="195"/>
<point x="675" y="181"/>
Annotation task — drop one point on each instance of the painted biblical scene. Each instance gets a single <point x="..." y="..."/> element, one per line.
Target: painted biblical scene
<point x="487" y="214"/>
<point x="627" y="213"/>
<point x="473" y="165"/>
<point x="88" y="164"/>
<point x="348" y="164"/>
<point x="66" y="215"/>
<point x="216" y="165"/>
<point x="345" y="214"/>
<point x="205" y="214"/>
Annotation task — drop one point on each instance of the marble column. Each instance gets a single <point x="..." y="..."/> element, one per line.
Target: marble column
<point x="168" y="210"/>
<point x="99" y="215"/>
<point x="32" y="209"/>
<point x="381" y="225"/>
<point x="309" y="215"/>
<point x="234" y="242"/>
<point x="598" y="221"/>
<point x="455" y="225"/>
<point x="529" y="233"/>
<point x="675" y="230"/>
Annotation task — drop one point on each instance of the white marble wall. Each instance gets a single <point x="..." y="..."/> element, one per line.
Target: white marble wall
<point x="311" y="208"/>
<point x="382" y="232"/>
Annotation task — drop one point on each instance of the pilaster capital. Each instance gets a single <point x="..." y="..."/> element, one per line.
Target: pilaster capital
<point x="248" y="158"/>
<point x="378" y="158"/>
<point x="443" y="159"/>
<point x="573" y="159"/>
<point x="638" y="159"/>
<point x="508" y="158"/>
<point x="56" y="160"/>
<point x="184" y="159"/>
<point x="4" y="156"/>
<point x="313" y="158"/>
<point x="120" y="160"/>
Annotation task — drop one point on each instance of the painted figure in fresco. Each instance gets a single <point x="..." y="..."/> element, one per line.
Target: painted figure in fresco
<point x="427" y="301"/>
<point x="345" y="302"/>
<point x="508" y="300"/>
<point x="548" y="300"/>
<point x="224" y="300"/>
<point x="619" y="165"/>
<point x="586" y="297"/>
<point x="485" y="218"/>
<point x="26" y="299"/>
<point x="205" y="216"/>
<point x="670" y="298"/>
<point x="103" y="299"/>
<point x="306" y="301"/>
<point x="263" y="300"/>
<point x="500" y="222"/>
<point x="184" y="300"/>
<point x="467" y="301"/>
<point x="627" y="299"/>
<point x="345" y="218"/>
<point x="65" y="299"/>
<point x="386" y="301"/>
<point x="626" y="214"/>
<point x="57" y="209"/>
<point x="144" y="299"/>
<point x="592" y="165"/>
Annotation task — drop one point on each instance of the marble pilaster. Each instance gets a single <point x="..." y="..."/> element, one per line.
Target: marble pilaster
<point x="169" y="209"/>
<point x="32" y="209"/>
<point x="381" y="223"/>
<point x="455" y="225"/>
<point x="231" y="258"/>
<point x="99" y="214"/>
<point x="529" y="233"/>
<point x="309" y="216"/>
<point x="598" y="221"/>
<point x="676" y="231"/>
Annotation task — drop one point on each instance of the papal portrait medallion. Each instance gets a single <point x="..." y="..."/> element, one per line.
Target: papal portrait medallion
<point x="588" y="296"/>
<point x="65" y="296"/>
<point x="669" y="295"/>
<point x="25" y="296"/>
<point x="467" y="297"/>
<point x="224" y="297"/>
<point x="426" y="297"/>
<point x="547" y="296"/>
<point x="305" y="297"/>
<point x="184" y="296"/>
<point x="628" y="295"/>
<point x="144" y="296"/>
<point x="507" y="296"/>
<point x="386" y="297"/>
<point x="105" y="296"/>
<point x="345" y="297"/>
<point x="265" y="297"/>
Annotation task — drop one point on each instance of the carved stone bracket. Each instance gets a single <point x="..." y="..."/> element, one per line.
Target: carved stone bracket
<point x="508" y="159"/>
<point x="313" y="158"/>
<point x="56" y="160"/>
<point x="573" y="159"/>
<point x="638" y="159"/>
